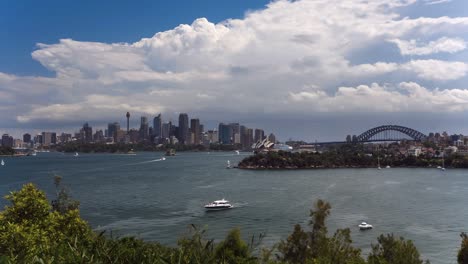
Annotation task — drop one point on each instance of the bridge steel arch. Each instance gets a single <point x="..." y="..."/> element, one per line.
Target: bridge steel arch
<point x="414" y="134"/>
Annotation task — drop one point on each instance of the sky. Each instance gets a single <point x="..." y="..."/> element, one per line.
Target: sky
<point x="305" y="69"/>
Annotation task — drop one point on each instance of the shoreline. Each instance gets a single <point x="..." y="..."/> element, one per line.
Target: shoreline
<point x="335" y="167"/>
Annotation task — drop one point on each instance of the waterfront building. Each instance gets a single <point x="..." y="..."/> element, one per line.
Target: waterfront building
<point x="26" y="138"/>
<point x="64" y="138"/>
<point x="183" y="132"/>
<point x="7" y="141"/>
<point x="99" y="136"/>
<point x="18" y="143"/>
<point x="157" y="126"/>
<point x="249" y="138"/>
<point x="133" y="135"/>
<point x="38" y="139"/>
<point x="195" y="130"/>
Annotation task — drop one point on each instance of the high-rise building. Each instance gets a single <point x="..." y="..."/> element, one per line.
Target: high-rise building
<point x="87" y="133"/>
<point x="157" y="126"/>
<point x="183" y="128"/>
<point x="195" y="130"/>
<point x="26" y="138"/>
<point x="249" y="138"/>
<point x="7" y="141"/>
<point x="165" y="130"/>
<point x="98" y="136"/>
<point x="259" y="135"/>
<point x="144" y="129"/>
<point x="112" y="129"/>
<point x="46" y="138"/>
<point x="38" y="139"/>
<point x="225" y="133"/>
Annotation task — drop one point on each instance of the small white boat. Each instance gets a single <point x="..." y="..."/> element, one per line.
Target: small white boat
<point x="439" y="167"/>
<point x="163" y="158"/>
<point x="3" y="163"/>
<point x="237" y="152"/>
<point x="365" y="226"/>
<point x="228" y="165"/>
<point x="218" y="205"/>
<point x="388" y="167"/>
<point x="76" y="154"/>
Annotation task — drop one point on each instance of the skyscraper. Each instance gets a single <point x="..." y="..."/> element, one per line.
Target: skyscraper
<point x="26" y="138"/>
<point x="259" y="135"/>
<point x="225" y="133"/>
<point x="144" y="128"/>
<point x="87" y="133"/>
<point x="183" y="128"/>
<point x="166" y="130"/>
<point x="113" y="129"/>
<point x="195" y="130"/>
<point x="157" y="126"/>
<point x="7" y="141"/>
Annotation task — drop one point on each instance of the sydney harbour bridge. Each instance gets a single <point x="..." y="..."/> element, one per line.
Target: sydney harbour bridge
<point x="385" y="133"/>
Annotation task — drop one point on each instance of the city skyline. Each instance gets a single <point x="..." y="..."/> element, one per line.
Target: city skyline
<point x="337" y="68"/>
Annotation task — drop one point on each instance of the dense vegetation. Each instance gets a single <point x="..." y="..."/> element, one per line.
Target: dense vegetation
<point x="344" y="156"/>
<point x="6" y="151"/>
<point x="124" y="148"/>
<point x="32" y="230"/>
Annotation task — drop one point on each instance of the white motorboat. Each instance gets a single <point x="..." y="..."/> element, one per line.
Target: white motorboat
<point x="163" y="158"/>
<point x="76" y="154"/>
<point x="365" y="226"/>
<point x="388" y="167"/>
<point x="228" y="165"/>
<point x="218" y="205"/>
<point x="237" y="152"/>
<point x="3" y="163"/>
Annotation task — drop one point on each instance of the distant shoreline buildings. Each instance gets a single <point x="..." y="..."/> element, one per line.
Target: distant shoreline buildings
<point x="186" y="132"/>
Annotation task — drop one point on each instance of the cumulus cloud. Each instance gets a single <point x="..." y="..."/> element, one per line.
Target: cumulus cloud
<point x="260" y="63"/>
<point x="444" y="44"/>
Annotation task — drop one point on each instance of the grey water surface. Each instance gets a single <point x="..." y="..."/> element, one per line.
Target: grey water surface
<point x="158" y="199"/>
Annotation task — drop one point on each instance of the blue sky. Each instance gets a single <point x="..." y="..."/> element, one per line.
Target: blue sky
<point x="321" y="68"/>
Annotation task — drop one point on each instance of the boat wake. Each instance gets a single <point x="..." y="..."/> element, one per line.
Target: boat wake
<point x="149" y="161"/>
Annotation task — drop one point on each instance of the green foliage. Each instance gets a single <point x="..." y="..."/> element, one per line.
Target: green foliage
<point x="391" y="250"/>
<point x="6" y="150"/>
<point x="463" y="252"/>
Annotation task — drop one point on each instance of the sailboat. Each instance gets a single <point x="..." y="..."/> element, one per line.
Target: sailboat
<point x="76" y="154"/>
<point x="3" y="163"/>
<point x="378" y="159"/>
<point x="443" y="162"/>
<point x="228" y="165"/>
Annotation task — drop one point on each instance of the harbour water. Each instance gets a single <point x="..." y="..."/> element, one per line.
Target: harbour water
<point x="158" y="199"/>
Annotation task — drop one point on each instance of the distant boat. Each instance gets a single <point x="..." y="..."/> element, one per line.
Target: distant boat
<point x="228" y="165"/>
<point x="76" y="154"/>
<point x="34" y="153"/>
<point x="163" y="158"/>
<point x="443" y="163"/>
<point x="237" y="152"/>
<point x="218" y="205"/>
<point x="388" y="167"/>
<point x="131" y="152"/>
<point x="365" y="226"/>
<point x="3" y="163"/>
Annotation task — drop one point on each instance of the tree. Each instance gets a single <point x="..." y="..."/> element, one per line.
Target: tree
<point x="391" y="250"/>
<point x="463" y="252"/>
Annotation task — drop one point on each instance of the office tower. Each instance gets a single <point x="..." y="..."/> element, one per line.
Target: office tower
<point x="112" y="129"/>
<point x="128" y="122"/>
<point x="144" y="128"/>
<point x="26" y="138"/>
<point x="259" y="135"/>
<point x="157" y="126"/>
<point x="225" y="133"/>
<point x="195" y="130"/>
<point x="87" y="133"/>
<point x="65" y="137"/>
<point x="183" y="128"/>
<point x="249" y="138"/>
<point x="7" y="141"/>
<point x="165" y="130"/>
<point x="38" y="139"/>
<point x="98" y="136"/>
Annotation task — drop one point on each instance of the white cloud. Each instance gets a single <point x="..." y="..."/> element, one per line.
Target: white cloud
<point x="406" y="96"/>
<point x="437" y="70"/>
<point x="255" y="64"/>
<point x="444" y="44"/>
